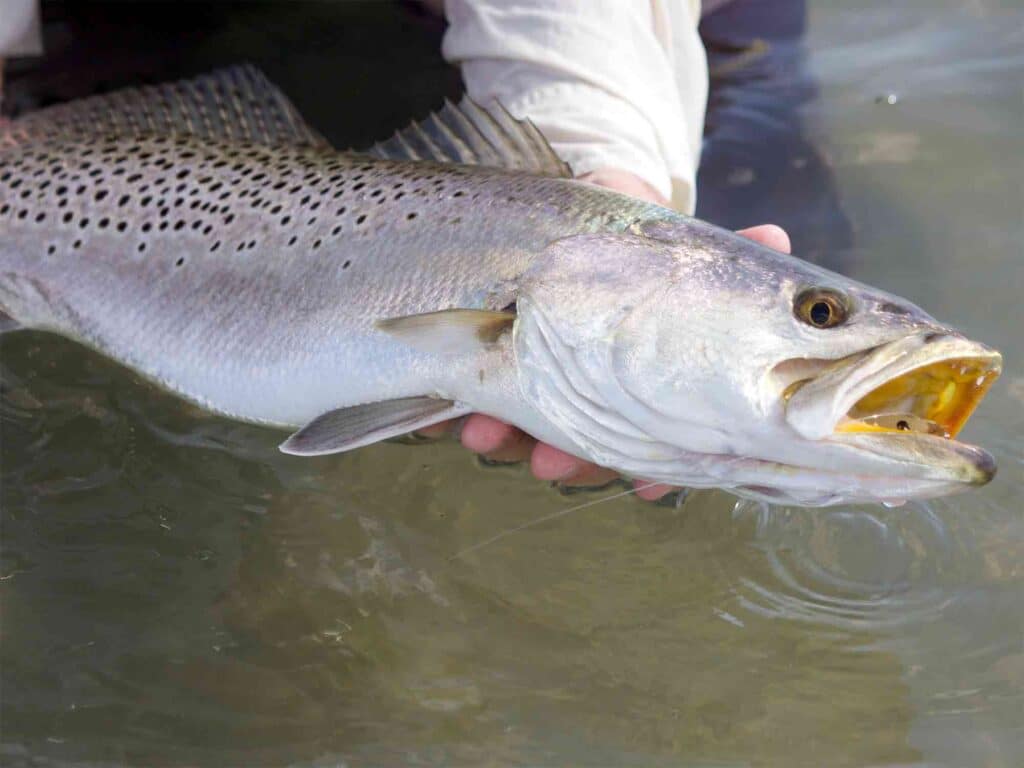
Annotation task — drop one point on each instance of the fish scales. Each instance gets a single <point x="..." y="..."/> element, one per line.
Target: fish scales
<point x="203" y="235"/>
<point x="273" y="261"/>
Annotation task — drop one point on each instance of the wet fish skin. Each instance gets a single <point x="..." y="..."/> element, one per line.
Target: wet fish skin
<point x="264" y="269"/>
<point x="277" y="281"/>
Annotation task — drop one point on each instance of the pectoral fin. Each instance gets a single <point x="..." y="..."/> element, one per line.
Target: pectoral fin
<point x="359" y="425"/>
<point x="450" y="332"/>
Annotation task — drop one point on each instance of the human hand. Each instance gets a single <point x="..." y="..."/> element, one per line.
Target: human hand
<point x="498" y="441"/>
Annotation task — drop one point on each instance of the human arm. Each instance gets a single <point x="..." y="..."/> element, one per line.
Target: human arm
<point x="611" y="85"/>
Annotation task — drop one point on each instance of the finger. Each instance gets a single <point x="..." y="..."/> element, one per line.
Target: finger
<point x="495" y="439"/>
<point x="769" y="235"/>
<point x="589" y="476"/>
<point x="649" y="492"/>
<point x="550" y="463"/>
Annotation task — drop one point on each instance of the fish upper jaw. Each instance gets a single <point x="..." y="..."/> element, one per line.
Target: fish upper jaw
<point x="938" y="378"/>
<point x="901" y="405"/>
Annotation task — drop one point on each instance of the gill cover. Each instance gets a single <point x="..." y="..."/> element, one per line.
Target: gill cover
<point x="575" y="340"/>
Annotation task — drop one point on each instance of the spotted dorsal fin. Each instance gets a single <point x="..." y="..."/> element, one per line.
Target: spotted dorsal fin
<point x="472" y="135"/>
<point x="233" y="104"/>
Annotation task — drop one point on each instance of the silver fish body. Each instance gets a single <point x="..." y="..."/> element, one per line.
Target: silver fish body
<point x="258" y="279"/>
<point x="248" y="279"/>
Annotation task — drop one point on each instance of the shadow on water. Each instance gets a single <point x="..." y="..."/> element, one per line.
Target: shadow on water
<point x="759" y="164"/>
<point x="175" y="591"/>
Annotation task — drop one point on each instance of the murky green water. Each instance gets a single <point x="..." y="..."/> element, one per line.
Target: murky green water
<point x="176" y="592"/>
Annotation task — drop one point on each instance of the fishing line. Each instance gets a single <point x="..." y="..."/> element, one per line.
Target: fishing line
<point x="546" y="518"/>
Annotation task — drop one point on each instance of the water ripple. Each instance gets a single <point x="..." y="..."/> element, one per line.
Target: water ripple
<point x="849" y="568"/>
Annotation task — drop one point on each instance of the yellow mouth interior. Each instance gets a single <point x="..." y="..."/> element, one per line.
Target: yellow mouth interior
<point x="936" y="399"/>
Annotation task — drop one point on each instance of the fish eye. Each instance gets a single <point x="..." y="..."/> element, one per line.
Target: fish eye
<point x="821" y="307"/>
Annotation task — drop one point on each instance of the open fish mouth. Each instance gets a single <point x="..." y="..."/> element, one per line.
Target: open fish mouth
<point x="915" y="393"/>
<point x="936" y="398"/>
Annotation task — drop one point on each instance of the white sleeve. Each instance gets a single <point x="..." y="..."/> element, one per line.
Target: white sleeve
<point x="611" y="83"/>
<point x="19" y="28"/>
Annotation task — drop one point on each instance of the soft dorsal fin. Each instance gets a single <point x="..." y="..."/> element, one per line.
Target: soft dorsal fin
<point x="233" y="104"/>
<point x="472" y="135"/>
<point x="348" y="428"/>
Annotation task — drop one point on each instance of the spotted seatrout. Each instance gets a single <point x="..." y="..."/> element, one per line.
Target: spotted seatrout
<point x="202" y="234"/>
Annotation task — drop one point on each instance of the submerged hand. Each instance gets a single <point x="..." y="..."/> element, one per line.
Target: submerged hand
<point x="499" y="441"/>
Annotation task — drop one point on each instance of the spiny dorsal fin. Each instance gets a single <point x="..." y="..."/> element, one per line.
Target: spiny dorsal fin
<point x="348" y="428"/>
<point x="471" y="135"/>
<point x="449" y="332"/>
<point x="233" y="104"/>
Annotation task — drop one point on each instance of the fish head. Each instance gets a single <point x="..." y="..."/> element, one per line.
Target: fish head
<point x="700" y="358"/>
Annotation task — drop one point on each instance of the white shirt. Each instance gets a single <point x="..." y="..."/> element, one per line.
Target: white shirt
<point x="19" y="28"/>
<point x="611" y="83"/>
